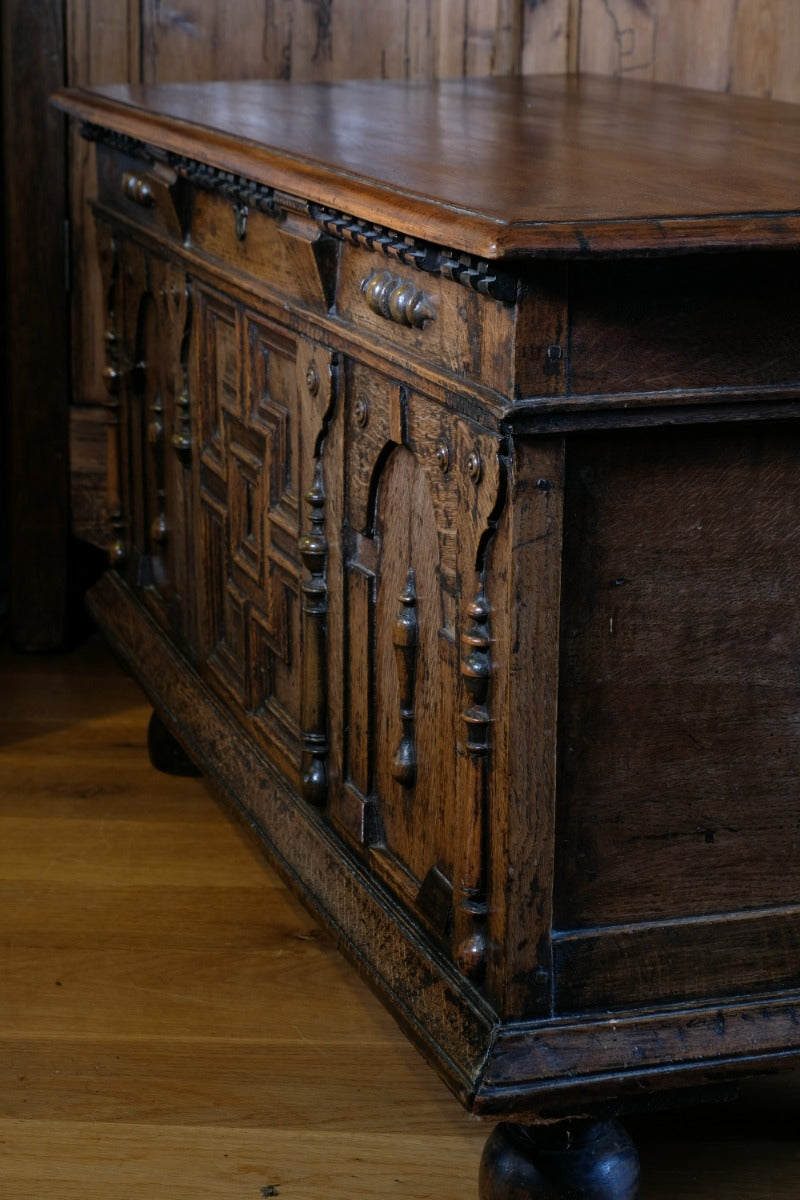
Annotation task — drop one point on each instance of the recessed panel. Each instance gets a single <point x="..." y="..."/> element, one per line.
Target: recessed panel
<point x="679" y="730"/>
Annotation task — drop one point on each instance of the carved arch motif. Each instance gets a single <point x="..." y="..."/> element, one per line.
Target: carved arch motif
<point x="424" y="487"/>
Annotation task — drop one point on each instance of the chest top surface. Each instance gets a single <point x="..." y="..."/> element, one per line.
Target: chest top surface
<point x="559" y="165"/>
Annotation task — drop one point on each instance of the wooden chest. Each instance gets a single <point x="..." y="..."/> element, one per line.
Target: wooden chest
<point x="452" y="497"/>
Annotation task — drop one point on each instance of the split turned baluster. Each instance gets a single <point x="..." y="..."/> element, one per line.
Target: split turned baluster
<point x="405" y="637"/>
<point x="112" y="379"/>
<point x="470" y="912"/>
<point x="182" y="435"/>
<point x="313" y="547"/>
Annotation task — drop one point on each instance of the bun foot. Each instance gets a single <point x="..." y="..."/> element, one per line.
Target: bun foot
<point x="572" y="1160"/>
<point x="166" y="753"/>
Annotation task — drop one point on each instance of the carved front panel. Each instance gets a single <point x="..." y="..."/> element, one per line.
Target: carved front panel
<point x="148" y="314"/>
<point x="423" y="486"/>
<point x="255" y="455"/>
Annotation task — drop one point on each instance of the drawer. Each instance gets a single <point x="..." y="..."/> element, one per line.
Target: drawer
<point x="431" y="319"/>
<point x="280" y="249"/>
<point x="149" y="193"/>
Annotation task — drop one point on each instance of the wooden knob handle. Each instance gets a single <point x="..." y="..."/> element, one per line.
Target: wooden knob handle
<point x="138" y="190"/>
<point x="397" y="300"/>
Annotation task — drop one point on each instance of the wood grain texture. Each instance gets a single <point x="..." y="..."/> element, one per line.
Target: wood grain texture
<point x="183" y="1109"/>
<point x="435" y="850"/>
<point x="480" y="887"/>
<point x="692" y="635"/>
<point x="102" y="45"/>
<point x="722" y="45"/>
<point x="147" y="41"/>
<point x="744" y="46"/>
<point x="170" y="1018"/>
<point x="700" y="170"/>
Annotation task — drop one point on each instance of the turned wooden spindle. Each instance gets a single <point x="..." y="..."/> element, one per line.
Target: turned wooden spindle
<point x="313" y="547"/>
<point x="405" y="636"/>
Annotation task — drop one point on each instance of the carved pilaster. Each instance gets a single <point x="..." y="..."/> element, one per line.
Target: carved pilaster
<point x="405" y="636"/>
<point x="470" y="915"/>
<point x="155" y="435"/>
<point x="313" y="546"/>
<point x="182" y="436"/>
<point x="112" y="379"/>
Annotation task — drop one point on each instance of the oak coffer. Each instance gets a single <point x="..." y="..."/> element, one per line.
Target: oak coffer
<point x="453" y="473"/>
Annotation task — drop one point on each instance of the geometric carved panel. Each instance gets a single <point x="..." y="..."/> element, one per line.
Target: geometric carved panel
<point x="218" y="343"/>
<point x="249" y="487"/>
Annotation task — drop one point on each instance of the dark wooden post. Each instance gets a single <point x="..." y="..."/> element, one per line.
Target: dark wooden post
<point x="36" y="418"/>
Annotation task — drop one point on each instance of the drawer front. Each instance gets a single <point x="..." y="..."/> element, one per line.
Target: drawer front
<point x="149" y="193"/>
<point x="433" y="320"/>
<point x="286" y="251"/>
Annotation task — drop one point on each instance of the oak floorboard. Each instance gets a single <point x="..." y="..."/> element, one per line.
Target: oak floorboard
<point x="211" y="1163"/>
<point x="174" y="1025"/>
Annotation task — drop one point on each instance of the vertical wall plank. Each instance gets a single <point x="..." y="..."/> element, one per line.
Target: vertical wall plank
<point x="650" y="39"/>
<point x="548" y="32"/>
<point x="617" y="37"/>
<point x="766" y="49"/>
<point x="285" y="39"/>
<point x="468" y="37"/>
<point x="746" y="46"/>
<point x="189" y="41"/>
<point x="102" y="39"/>
<point x="383" y="40"/>
<point x="33" y="186"/>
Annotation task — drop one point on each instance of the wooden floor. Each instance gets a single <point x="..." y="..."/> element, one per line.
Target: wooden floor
<point x="174" y="1027"/>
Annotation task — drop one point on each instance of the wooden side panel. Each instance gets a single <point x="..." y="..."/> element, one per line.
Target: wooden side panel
<point x="147" y="312"/>
<point x="691" y="322"/>
<point x="733" y="955"/>
<point x="523" y="580"/>
<point x="679" y="742"/>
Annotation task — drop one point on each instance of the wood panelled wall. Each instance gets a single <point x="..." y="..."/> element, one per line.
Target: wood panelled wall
<point x="749" y="46"/>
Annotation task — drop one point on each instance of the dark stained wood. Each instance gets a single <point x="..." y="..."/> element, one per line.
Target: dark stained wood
<point x="511" y="703"/>
<point x="677" y="733"/>
<point x="581" y="1158"/>
<point x="687" y="323"/>
<point x="166" y="754"/>
<point x="87" y="453"/>
<point x="35" y="328"/>
<point x="701" y="170"/>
